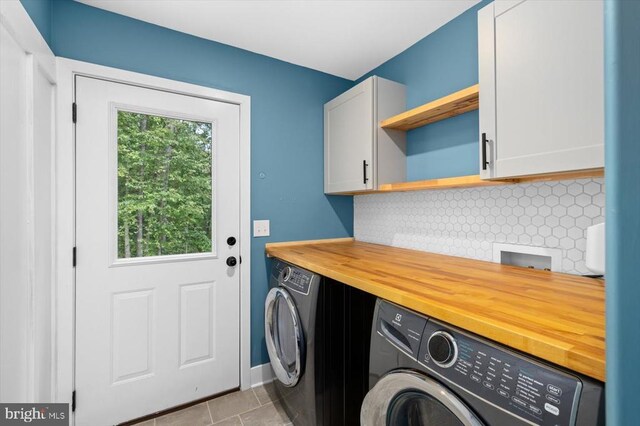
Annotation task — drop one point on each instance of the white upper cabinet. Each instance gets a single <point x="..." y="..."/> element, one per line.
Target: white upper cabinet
<point x="358" y="154"/>
<point x="541" y="87"/>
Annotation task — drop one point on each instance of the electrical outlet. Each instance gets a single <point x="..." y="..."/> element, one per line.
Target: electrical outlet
<point x="260" y="228"/>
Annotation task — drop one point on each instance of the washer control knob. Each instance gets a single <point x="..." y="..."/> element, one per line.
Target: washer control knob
<point x="286" y="273"/>
<point x="443" y="349"/>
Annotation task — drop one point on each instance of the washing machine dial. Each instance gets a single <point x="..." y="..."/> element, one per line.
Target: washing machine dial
<point x="286" y="273"/>
<point x="443" y="349"/>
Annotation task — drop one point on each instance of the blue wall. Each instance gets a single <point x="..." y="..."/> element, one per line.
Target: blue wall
<point x="40" y="12"/>
<point x="622" y="130"/>
<point x="441" y="63"/>
<point x="286" y="122"/>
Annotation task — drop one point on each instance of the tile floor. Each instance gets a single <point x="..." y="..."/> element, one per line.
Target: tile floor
<point x="255" y="407"/>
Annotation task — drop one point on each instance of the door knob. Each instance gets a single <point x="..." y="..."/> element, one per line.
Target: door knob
<point x="231" y="261"/>
<point x="231" y="241"/>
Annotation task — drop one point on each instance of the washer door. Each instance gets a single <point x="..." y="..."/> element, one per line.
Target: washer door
<point x="404" y="397"/>
<point x="284" y="336"/>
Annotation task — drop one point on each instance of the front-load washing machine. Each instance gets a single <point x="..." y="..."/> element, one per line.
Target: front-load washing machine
<point x="425" y="372"/>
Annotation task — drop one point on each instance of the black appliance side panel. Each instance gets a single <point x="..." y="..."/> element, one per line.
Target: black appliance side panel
<point x="331" y="358"/>
<point x="345" y="315"/>
<point x="359" y="312"/>
<point x="320" y="368"/>
<point x="591" y="410"/>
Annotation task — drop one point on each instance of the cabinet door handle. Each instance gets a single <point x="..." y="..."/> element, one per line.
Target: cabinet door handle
<point x="485" y="163"/>
<point x="365" y="179"/>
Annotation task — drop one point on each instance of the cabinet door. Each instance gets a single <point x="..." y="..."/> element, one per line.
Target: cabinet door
<point x="349" y="139"/>
<point x="546" y="87"/>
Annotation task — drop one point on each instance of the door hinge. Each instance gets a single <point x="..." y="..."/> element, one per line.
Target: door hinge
<point x="74" y="112"/>
<point x="73" y="401"/>
<point x="74" y="257"/>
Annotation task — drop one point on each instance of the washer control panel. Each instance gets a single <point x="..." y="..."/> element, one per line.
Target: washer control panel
<point x="292" y="277"/>
<point x="523" y="387"/>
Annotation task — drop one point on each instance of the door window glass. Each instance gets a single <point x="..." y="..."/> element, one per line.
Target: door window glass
<point x="285" y="336"/>
<point x="419" y="409"/>
<point x="164" y="185"/>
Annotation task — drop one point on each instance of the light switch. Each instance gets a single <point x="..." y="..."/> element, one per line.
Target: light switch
<point x="260" y="228"/>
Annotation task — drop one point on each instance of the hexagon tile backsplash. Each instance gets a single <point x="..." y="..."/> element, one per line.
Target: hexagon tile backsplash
<point x="466" y="222"/>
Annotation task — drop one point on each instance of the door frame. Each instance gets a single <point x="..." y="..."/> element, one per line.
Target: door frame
<point x="67" y="69"/>
<point x="39" y="60"/>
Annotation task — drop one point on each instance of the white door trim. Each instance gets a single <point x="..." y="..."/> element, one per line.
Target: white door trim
<point x="16" y="19"/>
<point x="65" y="180"/>
<point x="39" y="60"/>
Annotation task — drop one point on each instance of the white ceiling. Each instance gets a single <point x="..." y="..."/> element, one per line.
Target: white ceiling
<point x="346" y="38"/>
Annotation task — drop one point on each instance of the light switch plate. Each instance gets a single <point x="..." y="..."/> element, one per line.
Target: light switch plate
<point x="260" y="228"/>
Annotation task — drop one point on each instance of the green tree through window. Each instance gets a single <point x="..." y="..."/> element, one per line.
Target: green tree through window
<point x="164" y="185"/>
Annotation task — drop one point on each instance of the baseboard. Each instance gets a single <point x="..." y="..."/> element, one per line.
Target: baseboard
<point x="261" y="374"/>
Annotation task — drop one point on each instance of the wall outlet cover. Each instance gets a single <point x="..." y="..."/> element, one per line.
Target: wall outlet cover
<point x="260" y="228"/>
<point x="503" y="252"/>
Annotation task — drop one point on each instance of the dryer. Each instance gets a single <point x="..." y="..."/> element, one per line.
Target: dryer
<point x="426" y="372"/>
<point x="317" y="333"/>
<point x="290" y="331"/>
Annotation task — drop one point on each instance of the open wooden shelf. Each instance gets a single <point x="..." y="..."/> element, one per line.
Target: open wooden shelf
<point x="454" y="104"/>
<point x="451" y="105"/>
<point x="473" y="181"/>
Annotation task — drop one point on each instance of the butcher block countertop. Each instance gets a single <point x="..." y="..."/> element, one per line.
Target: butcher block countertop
<point x="556" y="317"/>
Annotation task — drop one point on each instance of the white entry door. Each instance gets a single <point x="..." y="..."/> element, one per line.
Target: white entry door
<point x="157" y="292"/>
